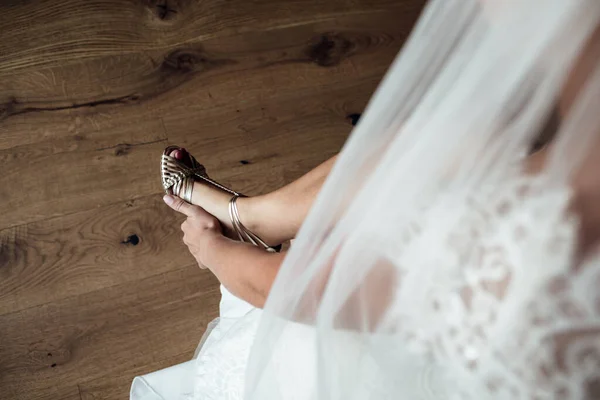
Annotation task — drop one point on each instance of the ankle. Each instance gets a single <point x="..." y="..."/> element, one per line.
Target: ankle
<point x="250" y="212"/>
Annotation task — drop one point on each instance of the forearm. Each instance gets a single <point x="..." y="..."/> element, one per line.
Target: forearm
<point x="245" y="270"/>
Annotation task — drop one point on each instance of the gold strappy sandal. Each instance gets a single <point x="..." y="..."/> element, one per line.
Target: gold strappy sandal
<point x="178" y="179"/>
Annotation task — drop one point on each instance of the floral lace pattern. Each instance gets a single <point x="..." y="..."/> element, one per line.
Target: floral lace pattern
<point x="502" y="308"/>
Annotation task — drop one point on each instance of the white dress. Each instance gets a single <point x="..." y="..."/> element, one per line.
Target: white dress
<point x="217" y="370"/>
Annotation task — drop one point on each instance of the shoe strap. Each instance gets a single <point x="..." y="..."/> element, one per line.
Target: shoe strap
<point x="179" y="178"/>
<point x="245" y="234"/>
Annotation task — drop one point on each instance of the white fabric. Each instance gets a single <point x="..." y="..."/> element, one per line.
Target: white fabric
<point x="178" y="382"/>
<point x="431" y="265"/>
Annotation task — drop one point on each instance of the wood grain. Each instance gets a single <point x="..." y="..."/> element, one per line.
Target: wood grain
<point x="267" y="145"/>
<point x="95" y="285"/>
<point x="129" y="79"/>
<point x="108" y="331"/>
<point x="112" y="165"/>
<point x="66" y="147"/>
<point x="47" y="186"/>
<point x="83" y="252"/>
<point x="70" y="30"/>
<point x="255" y="150"/>
<point x="64" y="391"/>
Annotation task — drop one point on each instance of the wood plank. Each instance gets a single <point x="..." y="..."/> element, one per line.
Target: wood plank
<point x="363" y="41"/>
<point x="83" y="252"/>
<point x="108" y="331"/>
<point x="79" y="29"/>
<point x="72" y="181"/>
<point x="43" y="134"/>
<point x="62" y="391"/>
<point x="84" y="178"/>
<point x="265" y="146"/>
<point x="80" y="129"/>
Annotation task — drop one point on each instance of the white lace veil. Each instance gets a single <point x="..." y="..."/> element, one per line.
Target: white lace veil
<point x="432" y="265"/>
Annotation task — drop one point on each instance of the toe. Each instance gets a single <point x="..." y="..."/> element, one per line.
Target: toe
<point x="177" y="154"/>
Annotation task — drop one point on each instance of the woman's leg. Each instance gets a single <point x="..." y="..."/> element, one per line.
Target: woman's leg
<point x="278" y="215"/>
<point x="275" y="217"/>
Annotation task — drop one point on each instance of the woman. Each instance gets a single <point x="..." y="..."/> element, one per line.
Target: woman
<point x="437" y="260"/>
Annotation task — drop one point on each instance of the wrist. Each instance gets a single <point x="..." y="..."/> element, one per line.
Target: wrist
<point x="211" y="245"/>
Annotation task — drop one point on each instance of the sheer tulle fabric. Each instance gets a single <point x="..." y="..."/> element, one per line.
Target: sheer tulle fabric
<point x="432" y="265"/>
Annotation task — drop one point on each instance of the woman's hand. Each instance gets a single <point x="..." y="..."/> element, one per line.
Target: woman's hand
<point x="247" y="271"/>
<point x="200" y="229"/>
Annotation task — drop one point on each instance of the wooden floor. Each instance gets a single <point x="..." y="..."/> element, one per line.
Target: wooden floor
<point x="95" y="284"/>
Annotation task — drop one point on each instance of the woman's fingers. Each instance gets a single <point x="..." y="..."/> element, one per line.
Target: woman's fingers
<point x="183" y="207"/>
